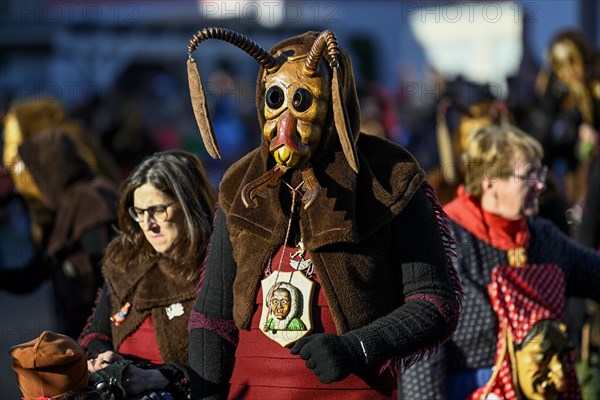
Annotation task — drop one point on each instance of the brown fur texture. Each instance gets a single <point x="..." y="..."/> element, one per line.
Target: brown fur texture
<point x="151" y="288"/>
<point x="341" y="229"/>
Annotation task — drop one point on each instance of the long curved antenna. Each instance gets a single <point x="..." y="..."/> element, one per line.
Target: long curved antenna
<point x="198" y="97"/>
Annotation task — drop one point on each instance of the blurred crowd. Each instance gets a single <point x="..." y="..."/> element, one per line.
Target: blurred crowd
<point x="55" y="226"/>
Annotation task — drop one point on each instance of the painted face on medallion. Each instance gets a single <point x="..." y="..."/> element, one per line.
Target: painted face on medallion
<point x="280" y="303"/>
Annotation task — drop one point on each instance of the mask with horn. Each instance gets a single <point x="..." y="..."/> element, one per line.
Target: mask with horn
<point x="298" y="89"/>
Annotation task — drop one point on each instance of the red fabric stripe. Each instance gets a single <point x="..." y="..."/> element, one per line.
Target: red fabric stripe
<point x="142" y="343"/>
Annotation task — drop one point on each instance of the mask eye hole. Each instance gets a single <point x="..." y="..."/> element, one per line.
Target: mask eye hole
<point x="301" y="100"/>
<point x="274" y="97"/>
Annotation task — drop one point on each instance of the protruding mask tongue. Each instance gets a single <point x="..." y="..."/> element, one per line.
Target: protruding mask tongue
<point x="286" y="147"/>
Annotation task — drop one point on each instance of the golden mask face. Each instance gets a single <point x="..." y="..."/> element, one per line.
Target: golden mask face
<point x="12" y="138"/>
<point x="540" y="364"/>
<point x="24" y="181"/>
<point x="295" y="108"/>
<point x="469" y="126"/>
<point x="566" y="61"/>
<point x="20" y="174"/>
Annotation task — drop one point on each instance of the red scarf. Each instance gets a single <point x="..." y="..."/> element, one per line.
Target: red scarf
<point x="498" y="231"/>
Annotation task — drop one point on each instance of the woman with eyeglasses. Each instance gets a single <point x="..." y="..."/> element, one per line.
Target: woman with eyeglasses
<point x="151" y="270"/>
<point x="516" y="269"/>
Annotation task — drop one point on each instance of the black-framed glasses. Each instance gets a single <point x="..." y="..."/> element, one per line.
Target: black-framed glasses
<point x="157" y="213"/>
<point x="534" y="175"/>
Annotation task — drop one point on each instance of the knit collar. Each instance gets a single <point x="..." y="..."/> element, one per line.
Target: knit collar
<point x="498" y="231"/>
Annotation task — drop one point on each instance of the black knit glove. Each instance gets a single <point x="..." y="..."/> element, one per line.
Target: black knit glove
<point x="331" y="357"/>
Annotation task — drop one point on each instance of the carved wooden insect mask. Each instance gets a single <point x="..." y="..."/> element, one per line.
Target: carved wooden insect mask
<point x="300" y="104"/>
<point x="295" y="108"/>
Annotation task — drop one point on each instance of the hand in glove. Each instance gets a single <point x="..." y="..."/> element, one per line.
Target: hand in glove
<point x="331" y="357"/>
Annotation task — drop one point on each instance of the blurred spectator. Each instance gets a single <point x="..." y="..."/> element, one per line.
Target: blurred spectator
<point x="465" y="108"/>
<point x="588" y="233"/>
<point x="586" y="315"/>
<point x="377" y="113"/>
<point x="570" y="100"/>
<point x="572" y="111"/>
<point x="516" y="270"/>
<point x="71" y="211"/>
<point x="32" y="116"/>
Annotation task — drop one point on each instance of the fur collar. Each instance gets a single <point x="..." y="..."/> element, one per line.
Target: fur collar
<point x="350" y="206"/>
<point x="156" y="283"/>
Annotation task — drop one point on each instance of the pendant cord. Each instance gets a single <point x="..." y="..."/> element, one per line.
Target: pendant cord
<point x="289" y="227"/>
<point x="287" y="235"/>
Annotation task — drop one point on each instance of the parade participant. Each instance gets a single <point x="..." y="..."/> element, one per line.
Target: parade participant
<point x="345" y="219"/>
<point x="515" y="268"/>
<point x="569" y="99"/>
<point x="151" y="270"/>
<point x="71" y="209"/>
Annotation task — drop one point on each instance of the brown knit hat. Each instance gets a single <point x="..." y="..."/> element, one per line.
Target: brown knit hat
<point x="49" y="367"/>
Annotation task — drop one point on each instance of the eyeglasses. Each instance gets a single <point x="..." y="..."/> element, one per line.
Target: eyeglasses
<point x="534" y="175"/>
<point x="157" y="213"/>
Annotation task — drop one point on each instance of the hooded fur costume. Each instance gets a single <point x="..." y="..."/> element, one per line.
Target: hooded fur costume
<point x="375" y="240"/>
<point x="83" y="208"/>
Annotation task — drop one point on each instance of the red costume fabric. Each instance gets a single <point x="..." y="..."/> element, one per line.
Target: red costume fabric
<point x="253" y="373"/>
<point x="142" y="343"/>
